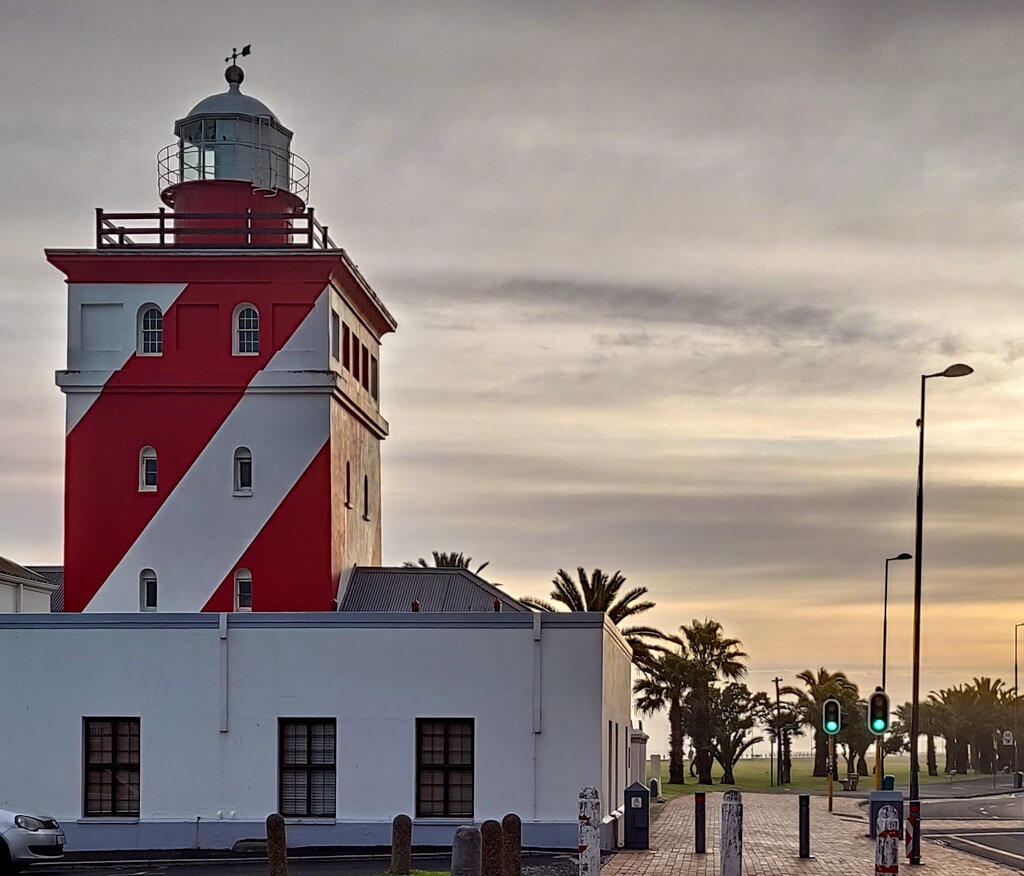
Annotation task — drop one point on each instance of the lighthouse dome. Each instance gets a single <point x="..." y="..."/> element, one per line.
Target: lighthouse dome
<point x="232" y="101"/>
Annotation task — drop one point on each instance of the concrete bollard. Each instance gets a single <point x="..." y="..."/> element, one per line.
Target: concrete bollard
<point x="490" y="848"/>
<point x="887" y="840"/>
<point x="656" y="766"/>
<point x="512" y="845"/>
<point x="655" y="789"/>
<point x="731" y="847"/>
<point x="277" y="846"/>
<point x="699" y="823"/>
<point x="466" y="852"/>
<point x="590" y="832"/>
<point x="805" y="825"/>
<point x="401" y="845"/>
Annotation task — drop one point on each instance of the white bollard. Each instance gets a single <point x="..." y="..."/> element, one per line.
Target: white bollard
<point x="590" y="832"/>
<point x="731" y="848"/>
<point x="887" y="840"/>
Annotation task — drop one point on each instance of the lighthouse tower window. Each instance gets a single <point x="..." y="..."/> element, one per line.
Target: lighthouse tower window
<point x="243" y="590"/>
<point x="247" y="331"/>
<point x="147" y="590"/>
<point x="151" y="331"/>
<point x="147" y="470"/>
<point x="243" y="472"/>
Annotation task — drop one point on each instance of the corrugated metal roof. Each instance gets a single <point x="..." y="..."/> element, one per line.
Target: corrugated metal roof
<point x="55" y="575"/>
<point x="381" y="588"/>
<point x="13" y="570"/>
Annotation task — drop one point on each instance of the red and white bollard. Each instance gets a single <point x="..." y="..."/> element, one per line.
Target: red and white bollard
<point x="887" y="840"/>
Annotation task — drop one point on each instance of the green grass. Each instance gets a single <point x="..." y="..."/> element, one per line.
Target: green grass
<point x="753" y="775"/>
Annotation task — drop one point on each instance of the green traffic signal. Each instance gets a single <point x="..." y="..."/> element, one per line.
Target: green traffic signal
<point x="878" y="712"/>
<point x="831" y="716"/>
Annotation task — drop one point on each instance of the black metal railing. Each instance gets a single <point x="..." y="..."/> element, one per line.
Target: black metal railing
<point x="248" y="230"/>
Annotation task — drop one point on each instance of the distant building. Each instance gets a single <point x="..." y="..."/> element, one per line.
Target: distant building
<point x="22" y="590"/>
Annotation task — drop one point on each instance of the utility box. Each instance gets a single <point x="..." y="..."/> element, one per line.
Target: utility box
<point x="637" y="815"/>
<point x="878" y="799"/>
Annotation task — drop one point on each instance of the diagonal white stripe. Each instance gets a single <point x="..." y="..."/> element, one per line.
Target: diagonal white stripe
<point x="196" y="537"/>
<point x="94" y="369"/>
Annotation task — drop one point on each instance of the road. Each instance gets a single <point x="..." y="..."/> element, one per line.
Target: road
<point x="1002" y="843"/>
<point x="321" y="866"/>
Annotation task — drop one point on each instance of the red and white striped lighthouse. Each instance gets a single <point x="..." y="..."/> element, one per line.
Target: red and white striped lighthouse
<point x="222" y="386"/>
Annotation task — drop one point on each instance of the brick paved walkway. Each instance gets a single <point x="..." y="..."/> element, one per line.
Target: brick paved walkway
<point x="838" y="843"/>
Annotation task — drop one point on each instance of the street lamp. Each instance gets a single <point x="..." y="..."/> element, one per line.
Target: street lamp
<point x="1016" y="697"/>
<point x="957" y="370"/>
<point x="885" y="608"/>
<point x="880" y="750"/>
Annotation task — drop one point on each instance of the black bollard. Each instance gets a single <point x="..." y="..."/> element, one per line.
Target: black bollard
<point x="805" y="825"/>
<point x="699" y="831"/>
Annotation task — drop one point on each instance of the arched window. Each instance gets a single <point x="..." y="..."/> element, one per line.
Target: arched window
<point x="243" y="590"/>
<point x="366" y="497"/>
<point x="243" y="472"/>
<point x="151" y="331"/>
<point x="147" y="470"/>
<point x="247" y="331"/>
<point x="147" y="590"/>
<point x="348" y="484"/>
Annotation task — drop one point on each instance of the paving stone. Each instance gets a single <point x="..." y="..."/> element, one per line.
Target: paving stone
<point x="839" y="842"/>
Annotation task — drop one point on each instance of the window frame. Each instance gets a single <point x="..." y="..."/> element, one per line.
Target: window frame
<point x="308" y="768"/>
<point x="348" y="483"/>
<point x="140" y="339"/>
<point x="236" y="329"/>
<point x="112" y="766"/>
<point x="346" y="347"/>
<point x="145" y="577"/>
<point x="242" y="575"/>
<point x="335" y="335"/>
<point x="364" y="370"/>
<point x="240" y="455"/>
<point x="366" y="497"/>
<point x="446" y="767"/>
<point x="145" y="454"/>
<point x="374" y="378"/>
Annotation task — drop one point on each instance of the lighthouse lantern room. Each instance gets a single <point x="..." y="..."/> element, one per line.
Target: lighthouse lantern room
<point x="222" y="386"/>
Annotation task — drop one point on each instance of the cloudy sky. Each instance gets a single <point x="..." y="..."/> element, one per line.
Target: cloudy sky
<point x="666" y="274"/>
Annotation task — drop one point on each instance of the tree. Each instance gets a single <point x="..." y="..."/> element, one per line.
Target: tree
<point x="711" y="656"/>
<point x="601" y="592"/>
<point x="734" y="712"/>
<point x="820" y="686"/>
<point x="782" y="722"/>
<point x="664" y="684"/>
<point x="451" y="560"/>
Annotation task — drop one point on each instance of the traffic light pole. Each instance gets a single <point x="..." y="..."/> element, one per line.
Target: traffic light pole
<point x="831" y="767"/>
<point x="878" y="763"/>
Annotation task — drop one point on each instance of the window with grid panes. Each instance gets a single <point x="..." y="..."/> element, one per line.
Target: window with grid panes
<point x="444" y="767"/>
<point x="307" y="767"/>
<point x="111" y="767"/>
<point x="151" y="340"/>
<point x="248" y="331"/>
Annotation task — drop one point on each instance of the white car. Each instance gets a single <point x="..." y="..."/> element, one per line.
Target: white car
<point x="27" y="836"/>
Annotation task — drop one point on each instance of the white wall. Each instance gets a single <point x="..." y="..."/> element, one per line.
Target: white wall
<point x="24" y="598"/>
<point x="373" y="676"/>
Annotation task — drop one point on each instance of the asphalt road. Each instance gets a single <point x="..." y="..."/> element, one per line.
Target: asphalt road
<point x="1003" y="843"/>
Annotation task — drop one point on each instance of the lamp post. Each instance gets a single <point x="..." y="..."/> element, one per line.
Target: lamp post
<point x="879" y="750"/>
<point x="1016" y="697"/>
<point x="958" y="370"/>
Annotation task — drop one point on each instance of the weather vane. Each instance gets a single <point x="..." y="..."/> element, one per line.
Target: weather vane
<point x="235" y="54"/>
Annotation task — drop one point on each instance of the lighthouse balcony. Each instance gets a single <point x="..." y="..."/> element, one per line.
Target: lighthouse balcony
<point x="268" y="169"/>
<point x="244" y="229"/>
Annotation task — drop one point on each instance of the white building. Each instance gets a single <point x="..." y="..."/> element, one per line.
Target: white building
<point x="159" y="731"/>
<point x="22" y="590"/>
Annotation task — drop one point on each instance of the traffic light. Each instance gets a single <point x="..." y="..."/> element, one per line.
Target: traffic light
<point x="831" y="716"/>
<point x="878" y="712"/>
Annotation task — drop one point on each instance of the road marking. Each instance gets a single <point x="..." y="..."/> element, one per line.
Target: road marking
<point x="989" y="849"/>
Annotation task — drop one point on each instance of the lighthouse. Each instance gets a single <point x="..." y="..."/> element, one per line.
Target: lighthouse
<point x="222" y="386"/>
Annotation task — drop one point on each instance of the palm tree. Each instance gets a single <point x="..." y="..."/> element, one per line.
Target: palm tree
<point x="601" y="592"/>
<point x="820" y="686"/>
<point x="711" y="656"/>
<point x="451" y="560"/>
<point x="665" y="683"/>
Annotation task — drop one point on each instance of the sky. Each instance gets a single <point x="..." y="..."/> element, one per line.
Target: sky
<point x="666" y="276"/>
